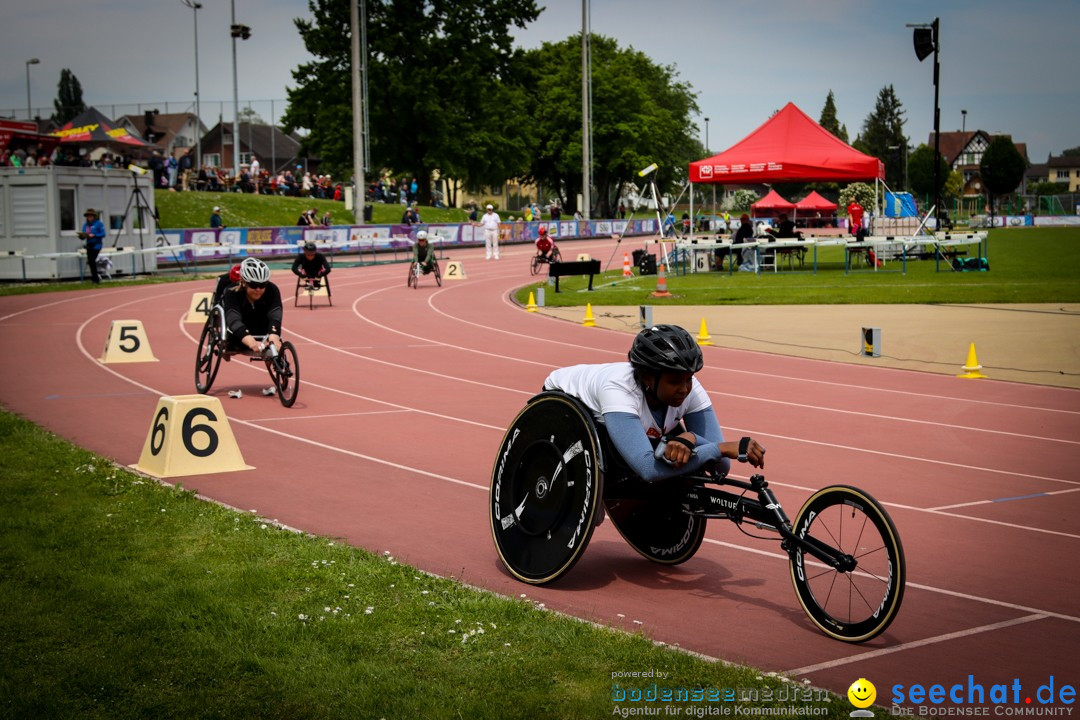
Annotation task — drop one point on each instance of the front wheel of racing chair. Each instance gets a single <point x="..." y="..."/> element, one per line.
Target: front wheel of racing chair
<point x="546" y="487"/>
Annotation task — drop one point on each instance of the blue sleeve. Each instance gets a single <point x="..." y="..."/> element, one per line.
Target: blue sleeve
<point x="633" y="446"/>
<point x="706" y="427"/>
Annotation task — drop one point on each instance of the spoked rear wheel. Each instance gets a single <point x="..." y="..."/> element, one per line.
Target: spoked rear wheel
<point x="438" y="275"/>
<point x="857" y="605"/>
<point x="208" y="359"/>
<point x="285" y="372"/>
<point x="412" y="279"/>
<point x="534" y="266"/>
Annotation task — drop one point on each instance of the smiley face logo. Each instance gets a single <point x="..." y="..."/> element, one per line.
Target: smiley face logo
<point x="862" y="693"/>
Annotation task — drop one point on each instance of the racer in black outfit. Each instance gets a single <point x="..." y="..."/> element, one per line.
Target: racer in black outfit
<point x="253" y="308"/>
<point x="224" y="282"/>
<point x="311" y="264"/>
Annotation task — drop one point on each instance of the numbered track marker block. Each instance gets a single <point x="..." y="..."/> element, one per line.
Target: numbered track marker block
<point x="455" y="270"/>
<point x="189" y="435"/>
<point x="200" y="308"/>
<point x="127" y="343"/>
<point x="584" y="257"/>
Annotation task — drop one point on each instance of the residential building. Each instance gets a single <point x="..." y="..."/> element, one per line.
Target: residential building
<point x="964" y="151"/>
<point x="275" y="149"/>
<point x="172" y="133"/>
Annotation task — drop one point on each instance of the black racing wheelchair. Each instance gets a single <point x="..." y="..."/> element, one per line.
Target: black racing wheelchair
<point x="539" y="260"/>
<point x="416" y="271"/>
<point x="283" y="365"/>
<point x="556" y="466"/>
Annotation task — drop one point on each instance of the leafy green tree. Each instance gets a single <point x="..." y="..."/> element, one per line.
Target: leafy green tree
<point x="640" y="115"/>
<point x="1071" y="152"/>
<point x="1049" y="188"/>
<point x="445" y="90"/>
<point x="884" y="129"/>
<point x="1002" y="167"/>
<point x="739" y="200"/>
<point x="921" y="172"/>
<point x="829" y="121"/>
<point x="69" y="100"/>
<point x="859" y="191"/>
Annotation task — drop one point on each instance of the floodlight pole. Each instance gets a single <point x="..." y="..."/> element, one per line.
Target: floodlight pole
<point x="586" y="139"/>
<point x="937" y="125"/>
<point x="358" y="22"/>
<point x="195" y="7"/>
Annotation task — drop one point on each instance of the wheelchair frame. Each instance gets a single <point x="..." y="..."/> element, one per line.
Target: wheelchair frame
<point x="538" y="260"/>
<point x="283" y="367"/>
<point x="305" y="284"/>
<point x="556" y="464"/>
<point x="415" y="273"/>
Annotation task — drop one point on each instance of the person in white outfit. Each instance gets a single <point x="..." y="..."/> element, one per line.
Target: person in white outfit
<point x="490" y="222"/>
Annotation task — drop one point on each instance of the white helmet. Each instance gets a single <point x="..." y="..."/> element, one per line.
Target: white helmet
<point x="422" y="235"/>
<point x="254" y="270"/>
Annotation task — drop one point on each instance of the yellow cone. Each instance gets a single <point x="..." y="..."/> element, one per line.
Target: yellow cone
<point x="972" y="368"/>
<point x="531" y="307"/>
<point x="589" y="321"/>
<point x="703" y="337"/>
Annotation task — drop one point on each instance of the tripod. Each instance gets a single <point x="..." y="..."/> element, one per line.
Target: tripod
<point x="139" y="200"/>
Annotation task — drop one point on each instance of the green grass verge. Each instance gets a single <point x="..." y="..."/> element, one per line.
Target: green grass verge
<point x="1029" y="265"/>
<point x="124" y="598"/>
<point x="192" y="210"/>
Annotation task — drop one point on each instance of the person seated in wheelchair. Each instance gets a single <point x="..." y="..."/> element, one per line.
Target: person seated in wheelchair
<point x="311" y="264"/>
<point x="253" y="308"/>
<point x="544" y="246"/>
<point x="424" y="253"/>
<point x="658" y="416"/>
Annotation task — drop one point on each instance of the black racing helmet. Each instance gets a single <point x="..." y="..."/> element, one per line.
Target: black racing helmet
<point x="666" y="347"/>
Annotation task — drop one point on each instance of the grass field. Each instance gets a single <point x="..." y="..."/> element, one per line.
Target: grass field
<point x="192" y="210"/>
<point x="1029" y="265"/>
<point x="127" y="599"/>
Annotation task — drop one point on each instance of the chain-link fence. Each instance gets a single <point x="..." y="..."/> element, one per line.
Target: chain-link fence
<point x="211" y="112"/>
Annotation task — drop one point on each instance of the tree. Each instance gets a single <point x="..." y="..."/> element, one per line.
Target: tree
<point x="828" y="119"/>
<point x="1071" y="152"/>
<point x="444" y="88"/>
<point x="248" y="115"/>
<point x="1002" y="168"/>
<point x="884" y="129"/>
<point x="640" y="115"/>
<point x="921" y="172"/>
<point x="858" y="191"/>
<point x="69" y="100"/>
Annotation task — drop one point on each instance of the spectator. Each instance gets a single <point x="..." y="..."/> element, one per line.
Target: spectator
<point x="215" y="219"/>
<point x="93" y="232"/>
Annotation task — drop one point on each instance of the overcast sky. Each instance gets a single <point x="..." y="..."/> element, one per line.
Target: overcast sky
<point x="1012" y="66"/>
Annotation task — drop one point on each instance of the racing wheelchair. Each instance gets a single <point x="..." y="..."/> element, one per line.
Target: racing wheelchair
<point x="556" y="467"/>
<point x="416" y="272"/>
<point x="312" y="287"/>
<point x="539" y="260"/>
<point x="283" y="365"/>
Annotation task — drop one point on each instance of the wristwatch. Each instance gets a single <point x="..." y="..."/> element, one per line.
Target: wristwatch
<point x="744" y="445"/>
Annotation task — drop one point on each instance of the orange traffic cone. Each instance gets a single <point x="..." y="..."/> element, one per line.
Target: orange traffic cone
<point x="626" y="272"/>
<point x="589" y="321"/>
<point x="703" y="337"/>
<point x="972" y="367"/>
<point x="661" y="283"/>
<point x="531" y="307"/>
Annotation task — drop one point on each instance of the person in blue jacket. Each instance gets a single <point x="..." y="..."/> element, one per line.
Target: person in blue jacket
<point x="93" y="233"/>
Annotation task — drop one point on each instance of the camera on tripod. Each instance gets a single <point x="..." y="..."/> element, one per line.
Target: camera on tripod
<point x="136" y="169"/>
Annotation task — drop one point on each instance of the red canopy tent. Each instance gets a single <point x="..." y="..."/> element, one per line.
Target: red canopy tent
<point x="773" y="202"/>
<point x="788" y="147"/>
<point x="814" y="202"/>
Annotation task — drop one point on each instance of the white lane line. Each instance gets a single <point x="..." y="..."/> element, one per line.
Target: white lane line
<point x="991" y="502"/>
<point x="878" y="416"/>
<point x="863" y="657"/>
<point x="333" y="415"/>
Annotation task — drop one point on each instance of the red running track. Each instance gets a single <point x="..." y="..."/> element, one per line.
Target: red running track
<point x="405" y="395"/>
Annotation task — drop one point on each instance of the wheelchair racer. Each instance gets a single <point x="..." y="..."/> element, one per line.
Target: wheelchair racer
<point x="653" y="400"/>
<point x="543" y="243"/>
<point x="424" y="253"/>
<point x="253" y="308"/>
<point x="311" y="264"/>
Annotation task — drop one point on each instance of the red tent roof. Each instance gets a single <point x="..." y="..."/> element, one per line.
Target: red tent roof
<point x="93" y="127"/>
<point x="773" y="201"/>
<point x="813" y="201"/>
<point x="789" y="146"/>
